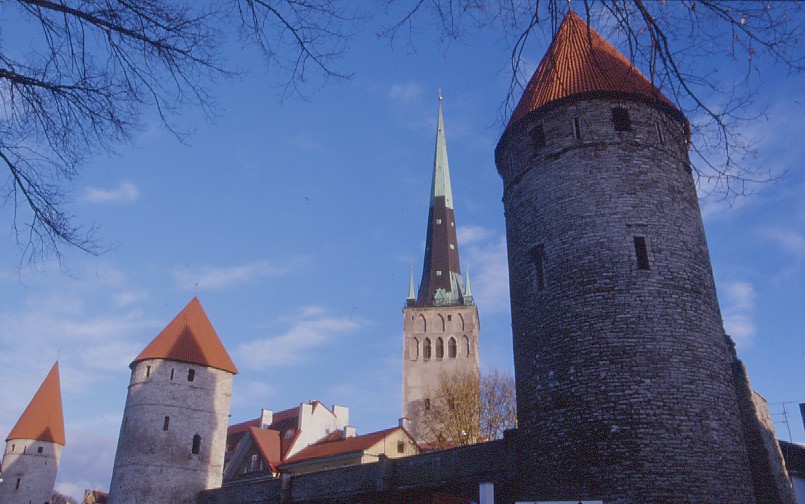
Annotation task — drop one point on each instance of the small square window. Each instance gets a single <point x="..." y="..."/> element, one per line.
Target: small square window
<point x="438" y="273"/>
<point x="438" y="221"/>
<point x="39" y="450"/>
<point x="452" y="247"/>
<point x="620" y="117"/>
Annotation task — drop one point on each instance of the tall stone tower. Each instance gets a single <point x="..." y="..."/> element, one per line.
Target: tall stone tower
<point x="173" y="434"/>
<point x="34" y="445"/>
<point x="624" y="383"/>
<point x="440" y="328"/>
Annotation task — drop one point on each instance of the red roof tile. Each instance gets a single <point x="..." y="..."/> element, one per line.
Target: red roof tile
<point x="43" y="419"/>
<point x="268" y="442"/>
<point x="329" y="447"/>
<point x="190" y="337"/>
<point x="581" y="61"/>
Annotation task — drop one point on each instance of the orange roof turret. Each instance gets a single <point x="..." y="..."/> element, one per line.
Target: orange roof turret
<point x="43" y="419"/>
<point x="189" y="337"/>
<point x="580" y="61"/>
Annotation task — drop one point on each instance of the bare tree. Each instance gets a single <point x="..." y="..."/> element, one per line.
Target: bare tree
<point x="465" y="408"/>
<point x="59" y="498"/>
<point x="680" y="45"/>
<point x="77" y="83"/>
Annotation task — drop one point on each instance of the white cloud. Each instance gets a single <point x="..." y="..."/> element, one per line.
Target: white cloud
<point x="405" y="92"/>
<point x="488" y="267"/>
<point x="126" y="192"/>
<point x="789" y="240"/>
<point x="211" y="277"/>
<point x="469" y="235"/>
<point x="311" y="329"/>
<point x="738" y="310"/>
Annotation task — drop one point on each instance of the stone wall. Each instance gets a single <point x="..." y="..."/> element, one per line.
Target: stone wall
<point x="28" y="475"/>
<point x="624" y="383"/>
<point x="164" y="411"/>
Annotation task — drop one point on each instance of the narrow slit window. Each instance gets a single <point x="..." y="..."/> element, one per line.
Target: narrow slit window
<point x="426" y="349"/>
<point x="196" y="444"/>
<point x="166" y="423"/>
<point x="18" y="484"/>
<point x="660" y="136"/>
<point x="537" y="136"/>
<point x="620" y="117"/>
<point x="538" y="259"/>
<point x="439" y="348"/>
<point x="576" y="128"/>
<point x="147" y="371"/>
<point x="172" y="371"/>
<point x="191" y="374"/>
<point x="39" y="450"/>
<point x="641" y="252"/>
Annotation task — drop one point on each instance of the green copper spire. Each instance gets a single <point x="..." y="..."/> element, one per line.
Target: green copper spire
<point x="441" y="169"/>
<point x="467" y="289"/>
<point x="411" y="292"/>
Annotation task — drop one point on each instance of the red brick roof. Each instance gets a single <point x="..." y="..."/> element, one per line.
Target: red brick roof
<point x="339" y="445"/>
<point x="580" y="61"/>
<point x="269" y="443"/>
<point x="43" y="419"/>
<point x="191" y="338"/>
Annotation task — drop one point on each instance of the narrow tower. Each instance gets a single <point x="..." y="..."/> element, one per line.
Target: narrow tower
<point x="440" y="328"/>
<point x="624" y="384"/>
<point x="34" y="445"/>
<point x="173" y="435"/>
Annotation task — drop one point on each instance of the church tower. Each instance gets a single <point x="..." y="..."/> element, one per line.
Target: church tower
<point x="624" y="373"/>
<point x="173" y="434"/>
<point x="440" y="328"/>
<point x="34" y="446"/>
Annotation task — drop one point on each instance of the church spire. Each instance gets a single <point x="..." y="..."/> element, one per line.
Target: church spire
<point x="441" y="275"/>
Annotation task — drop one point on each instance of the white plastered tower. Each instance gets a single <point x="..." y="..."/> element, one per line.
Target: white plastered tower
<point x="173" y="434"/>
<point x="34" y="446"/>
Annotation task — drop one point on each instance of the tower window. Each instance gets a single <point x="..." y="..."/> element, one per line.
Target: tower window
<point x="147" y="371"/>
<point x="439" y="348"/>
<point x="576" y="128"/>
<point x="452" y="348"/>
<point x="166" y="423"/>
<point x="39" y="450"/>
<point x="191" y="374"/>
<point x="438" y="221"/>
<point x="400" y="447"/>
<point x="537" y="136"/>
<point x="426" y="349"/>
<point x="172" y="371"/>
<point x="427" y="403"/>
<point x="620" y="117"/>
<point x="538" y="259"/>
<point x="196" y="445"/>
<point x="13" y="447"/>
<point x="641" y="252"/>
<point x="17" y="487"/>
<point x="660" y="136"/>
<point x="438" y="273"/>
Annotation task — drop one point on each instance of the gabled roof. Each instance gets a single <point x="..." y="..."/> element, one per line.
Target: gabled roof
<point x="335" y="444"/>
<point x="580" y="61"/>
<point x="43" y="419"/>
<point x="269" y="443"/>
<point x="191" y="338"/>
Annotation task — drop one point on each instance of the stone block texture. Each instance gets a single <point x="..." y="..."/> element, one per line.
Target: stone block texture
<point x="165" y="411"/>
<point x="624" y="381"/>
<point x="29" y="471"/>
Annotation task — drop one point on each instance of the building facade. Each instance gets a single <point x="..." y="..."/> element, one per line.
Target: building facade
<point x="34" y="446"/>
<point x="440" y="322"/>
<point x="173" y="434"/>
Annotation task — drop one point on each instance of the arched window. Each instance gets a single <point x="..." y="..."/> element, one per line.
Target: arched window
<point x="426" y="349"/>
<point x="451" y="348"/>
<point x="413" y="349"/>
<point x="196" y="445"/>
<point x="460" y="322"/>
<point x="440" y="323"/>
<point x="420" y="325"/>
<point x="439" y="348"/>
<point x="465" y="346"/>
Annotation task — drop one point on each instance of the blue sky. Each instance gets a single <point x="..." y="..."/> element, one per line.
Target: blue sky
<point x="299" y="220"/>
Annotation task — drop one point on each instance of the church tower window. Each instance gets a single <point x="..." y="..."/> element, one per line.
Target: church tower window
<point x="426" y="349"/>
<point x="439" y="348"/>
<point x="452" y="348"/>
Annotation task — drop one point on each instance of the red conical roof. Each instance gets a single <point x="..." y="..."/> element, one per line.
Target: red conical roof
<point x="190" y="337"/>
<point x="43" y="419"/>
<point x="581" y="61"/>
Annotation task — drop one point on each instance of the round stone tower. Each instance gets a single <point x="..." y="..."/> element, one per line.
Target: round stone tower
<point x="173" y="434"/>
<point x="34" y="446"/>
<point x="624" y="384"/>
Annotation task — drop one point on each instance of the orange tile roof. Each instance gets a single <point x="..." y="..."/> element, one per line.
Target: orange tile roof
<point x="580" y="61"/>
<point x="190" y="337"/>
<point x="329" y="447"/>
<point x="43" y="419"/>
<point x="268" y="442"/>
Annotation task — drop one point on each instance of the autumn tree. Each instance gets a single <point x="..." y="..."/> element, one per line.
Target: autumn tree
<point x="466" y="408"/>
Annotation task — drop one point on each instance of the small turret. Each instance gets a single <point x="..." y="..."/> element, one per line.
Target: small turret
<point x="34" y="446"/>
